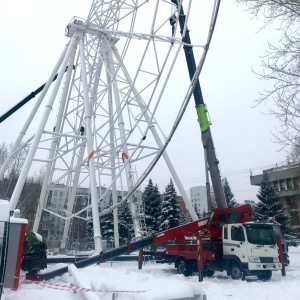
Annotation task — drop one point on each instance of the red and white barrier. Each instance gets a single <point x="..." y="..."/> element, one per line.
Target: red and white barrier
<point x="75" y="288"/>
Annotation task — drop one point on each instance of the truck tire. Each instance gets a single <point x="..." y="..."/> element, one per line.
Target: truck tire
<point x="236" y="272"/>
<point x="264" y="275"/>
<point x="183" y="267"/>
<point x="208" y="273"/>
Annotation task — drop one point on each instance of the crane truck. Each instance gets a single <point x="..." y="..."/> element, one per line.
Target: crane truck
<point x="226" y="240"/>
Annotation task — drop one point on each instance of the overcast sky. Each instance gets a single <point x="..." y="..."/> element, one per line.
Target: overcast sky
<point x="32" y="34"/>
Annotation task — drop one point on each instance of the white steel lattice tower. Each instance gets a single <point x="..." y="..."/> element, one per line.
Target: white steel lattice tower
<point x="112" y="78"/>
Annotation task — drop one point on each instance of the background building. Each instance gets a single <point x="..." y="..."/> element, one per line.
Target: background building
<point x="198" y="198"/>
<point x="286" y="180"/>
<point x="52" y="227"/>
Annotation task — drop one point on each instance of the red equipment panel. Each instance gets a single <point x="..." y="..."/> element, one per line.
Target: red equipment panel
<point x="185" y="250"/>
<point x="178" y="233"/>
<point x="209" y="226"/>
<point x="221" y="216"/>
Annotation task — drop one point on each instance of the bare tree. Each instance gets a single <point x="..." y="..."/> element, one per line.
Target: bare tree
<point x="281" y="66"/>
<point x="17" y="162"/>
<point x="30" y="193"/>
<point x="285" y="11"/>
<point x="3" y="153"/>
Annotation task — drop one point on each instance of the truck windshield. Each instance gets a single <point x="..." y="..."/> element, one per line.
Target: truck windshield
<point x="260" y="235"/>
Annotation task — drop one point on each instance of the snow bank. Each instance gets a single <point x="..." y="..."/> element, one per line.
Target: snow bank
<point x="140" y="286"/>
<point x="162" y="282"/>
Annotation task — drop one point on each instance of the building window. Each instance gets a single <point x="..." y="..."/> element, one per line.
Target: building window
<point x="282" y="185"/>
<point x="275" y="185"/>
<point x="290" y="200"/>
<point x="296" y="182"/>
<point x="289" y="183"/>
<point x="294" y="216"/>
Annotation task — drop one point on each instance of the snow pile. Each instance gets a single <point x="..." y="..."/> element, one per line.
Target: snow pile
<point x="162" y="282"/>
<point x="137" y="285"/>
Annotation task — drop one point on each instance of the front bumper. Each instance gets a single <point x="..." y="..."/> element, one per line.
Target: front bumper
<point x="264" y="266"/>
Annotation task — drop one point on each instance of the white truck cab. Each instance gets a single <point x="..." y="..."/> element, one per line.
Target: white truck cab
<point x="250" y="249"/>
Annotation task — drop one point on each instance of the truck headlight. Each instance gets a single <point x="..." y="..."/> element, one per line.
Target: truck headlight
<point x="254" y="259"/>
<point x="276" y="259"/>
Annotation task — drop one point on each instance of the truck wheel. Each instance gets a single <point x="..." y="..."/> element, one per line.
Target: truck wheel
<point x="209" y="273"/>
<point x="184" y="268"/>
<point x="236" y="272"/>
<point x="264" y="275"/>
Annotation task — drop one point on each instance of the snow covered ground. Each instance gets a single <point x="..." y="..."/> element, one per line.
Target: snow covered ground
<point x="161" y="282"/>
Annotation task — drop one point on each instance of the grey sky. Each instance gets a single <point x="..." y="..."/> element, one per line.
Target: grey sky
<point x="33" y="37"/>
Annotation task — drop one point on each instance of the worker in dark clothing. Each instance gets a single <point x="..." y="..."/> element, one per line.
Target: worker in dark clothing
<point x="173" y="21"/>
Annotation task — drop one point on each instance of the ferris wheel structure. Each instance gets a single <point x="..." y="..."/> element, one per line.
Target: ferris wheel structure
<point x="104" y="117"/>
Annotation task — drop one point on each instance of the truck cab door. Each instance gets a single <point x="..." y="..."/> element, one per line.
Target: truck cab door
<point x="234" y="245"/>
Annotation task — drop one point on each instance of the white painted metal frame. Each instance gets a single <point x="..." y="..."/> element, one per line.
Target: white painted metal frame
<point x="103" y="122"/>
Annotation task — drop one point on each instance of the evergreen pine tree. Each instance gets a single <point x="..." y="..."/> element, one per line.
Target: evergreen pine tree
<point x="170" y="211"/>
<point x="152" y="202"/>
<point x="125" y="223"/>
<point x="107" y="225"/>
<point x="229" y="197"/>
<point x="183" y="219"/>
<point x="270" y="208"/>
<point x="89" y="233"/>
